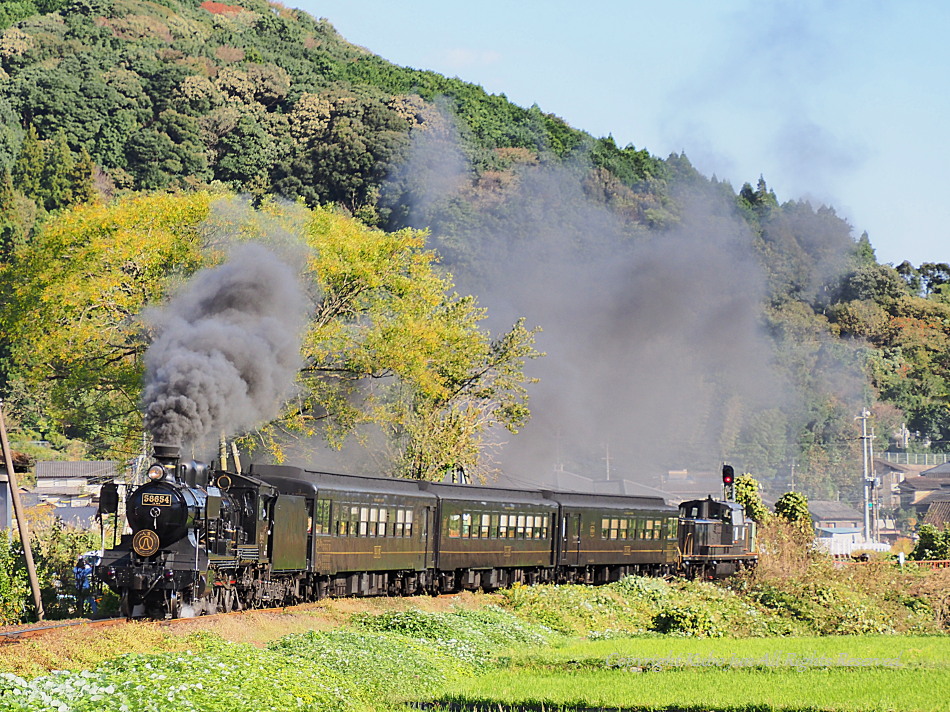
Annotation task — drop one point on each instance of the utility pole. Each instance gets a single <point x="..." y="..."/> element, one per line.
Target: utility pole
<point x="607" y="459"/>
<point x="875" y="493"/>
<point x="22" y="524"/>
<point x="865" y="414"/>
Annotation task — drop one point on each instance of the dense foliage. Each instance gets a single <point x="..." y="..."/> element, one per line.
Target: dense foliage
<point x="933" y="544"/>
<point x="144" y="111"/>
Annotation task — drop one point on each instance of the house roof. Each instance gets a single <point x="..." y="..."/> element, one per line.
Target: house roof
<point x="840" y="530"/>
<point x="90" y="469"/>
<point x="941" y="495"/>
<point x="938" y="471"/>
<point x="881" y="464"/>
<point x="924" y="483"/>
<point x="938" y="513"/>
<point x="822" y="510"/>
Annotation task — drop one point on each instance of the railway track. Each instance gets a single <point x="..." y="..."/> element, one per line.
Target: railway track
<point x="28" y="631"/>
<point x="35" y="631"/>
<point x="10" y="636"/>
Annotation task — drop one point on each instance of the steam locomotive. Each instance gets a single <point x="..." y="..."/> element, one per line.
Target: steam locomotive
<point x="207" y="540"/>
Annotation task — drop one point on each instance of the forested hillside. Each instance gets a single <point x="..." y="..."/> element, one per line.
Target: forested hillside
<point x="684" y="321"/>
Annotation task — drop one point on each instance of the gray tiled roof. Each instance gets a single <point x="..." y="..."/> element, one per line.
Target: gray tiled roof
<point x="938" y="513"/>
<point x="822" y="510"/>
<point x="80" y="468"/>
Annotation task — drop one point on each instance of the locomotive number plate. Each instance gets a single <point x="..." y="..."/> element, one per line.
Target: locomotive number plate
<point x="145" y="542"/>
<point x="161" y="500"/>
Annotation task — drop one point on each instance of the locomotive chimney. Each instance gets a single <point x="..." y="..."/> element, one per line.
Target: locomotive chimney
<point x="166" y="454"/>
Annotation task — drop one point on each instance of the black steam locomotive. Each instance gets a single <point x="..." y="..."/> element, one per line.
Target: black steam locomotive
<point x="207" y="540"/>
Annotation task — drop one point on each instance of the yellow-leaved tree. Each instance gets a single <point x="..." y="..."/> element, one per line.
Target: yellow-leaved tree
<point x="75" y="291"/>
<point x="389" y="345"/>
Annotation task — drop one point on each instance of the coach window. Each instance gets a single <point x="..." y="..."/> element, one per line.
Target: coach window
<point x="493" y="527"/>
<point x="604" y="528"/>
<point x="466" y="525"/>
<point x="544" y="527"/>
<point x="623" y="528"/>
<point x="363" y="523"/>
<point x="407" y="530"/>
<point x="520" y="531"/>
<point x="648" y="534"/>
<point x="321" y="517"/>
<point x="400" y="522"/>
<point x="503" y="526"/>
<point x="455" y="526"/>
<point x="381" y="524"/>
<point x="486" y="526"/>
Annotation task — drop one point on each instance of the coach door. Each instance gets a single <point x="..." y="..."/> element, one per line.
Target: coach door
<point x="571" y="539"/>
<point x="429" y="536"/>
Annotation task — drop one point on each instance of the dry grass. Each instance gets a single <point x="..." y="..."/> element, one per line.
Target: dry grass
<point x="82" y="647"/>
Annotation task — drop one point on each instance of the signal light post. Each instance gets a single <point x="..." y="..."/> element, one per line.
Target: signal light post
<point x="728" y="477"/>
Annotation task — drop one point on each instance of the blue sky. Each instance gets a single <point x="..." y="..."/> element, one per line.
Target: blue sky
<point x="841" y="102"/>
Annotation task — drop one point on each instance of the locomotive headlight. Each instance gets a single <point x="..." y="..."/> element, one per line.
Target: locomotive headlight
<point x="156" y="472"/>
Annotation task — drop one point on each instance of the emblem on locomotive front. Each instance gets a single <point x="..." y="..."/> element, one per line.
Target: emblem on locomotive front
<point x="145" y="542"/>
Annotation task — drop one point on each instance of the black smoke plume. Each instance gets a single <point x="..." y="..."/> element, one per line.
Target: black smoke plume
<point x="227" y="350"/>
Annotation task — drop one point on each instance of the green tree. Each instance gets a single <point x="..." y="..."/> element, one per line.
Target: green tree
<point x="749" y="495"/>
<point x="793" y="508"/>
<point x="12" y="11"/>
<point x="75" y="293"/>
<point x="932" y="543"/>
<point x="30" y="163"/>
<point x="14" y="585"/>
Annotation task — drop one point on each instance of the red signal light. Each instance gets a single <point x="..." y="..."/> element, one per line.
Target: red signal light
<point x="728" y="474"/>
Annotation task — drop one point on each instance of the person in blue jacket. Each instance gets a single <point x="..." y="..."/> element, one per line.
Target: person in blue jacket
<point x="83" y="574"/>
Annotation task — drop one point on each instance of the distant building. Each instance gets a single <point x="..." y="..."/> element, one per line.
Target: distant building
<point x="890" y="475"/>
<point x="839" y="528"/>
<point x="834" y="515"/>
<point x="683" y="485"/>
<point x="71" y="489"/>
<point x="917" y="493"/>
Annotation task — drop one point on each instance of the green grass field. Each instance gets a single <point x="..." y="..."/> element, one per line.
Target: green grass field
<point x="833" y="673"/>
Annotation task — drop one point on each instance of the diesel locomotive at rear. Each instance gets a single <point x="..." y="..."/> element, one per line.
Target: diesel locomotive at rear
<point x="204" y="539"/>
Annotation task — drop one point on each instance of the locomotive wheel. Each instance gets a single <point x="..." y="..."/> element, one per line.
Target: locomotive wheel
<point x="125" y="606"/>
<point x="226" y="600"/>
<point x="174" y="605"/>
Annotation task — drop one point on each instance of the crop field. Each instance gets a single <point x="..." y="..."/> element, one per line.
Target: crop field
<point x="545" y="648"/>
<point x="835" y="673"/>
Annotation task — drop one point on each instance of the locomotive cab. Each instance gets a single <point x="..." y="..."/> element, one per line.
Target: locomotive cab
<point x="715" y="537"/>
